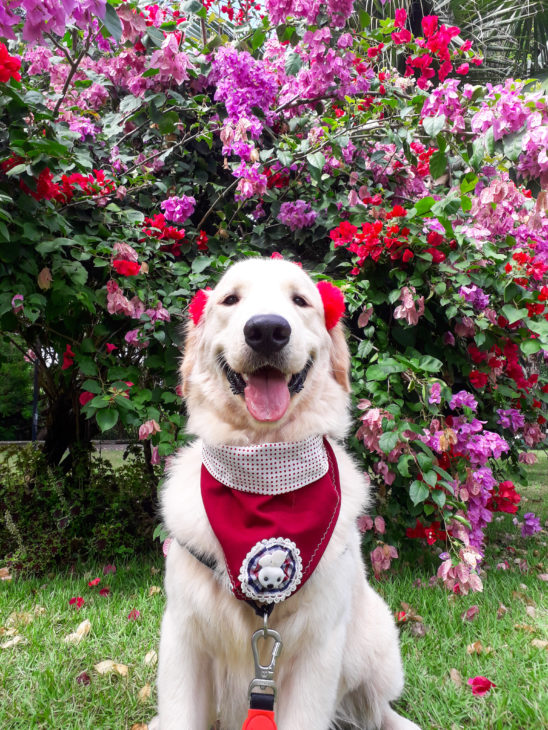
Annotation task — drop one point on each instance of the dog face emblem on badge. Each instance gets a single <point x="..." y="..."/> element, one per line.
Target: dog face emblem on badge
<point x="272" y="570"/>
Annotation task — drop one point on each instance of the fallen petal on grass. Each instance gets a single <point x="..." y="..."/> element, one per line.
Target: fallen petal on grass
<point x="109" y="569"/>
<point x="154" y="590"/>
<point x="531" y="611"/>
<point x="139" y="726"/>
<point x="77" y="601"/>
<point x="418" y="630"/>
<point x="104" y="591"/>
<point x="478" y="648"/>
<point x="151" y="657"/>
<point x="77" y="636"/>
<point x="109" y="667"/>
<point x="133" y="615"/>
<point x="83" y="678"/>
<point x="525" y="627"/>
<point x="21" y="618"/>
<point x="456" y="677"/>
<point x="543" y="576"/>
<point x="480" y="685"/>
<point x="470" y="614"/>
<point x="18" y="639"/>
<point x="501" y="610"/>
<point x="5" y="574"/>
<point x="540" y="643"/>
<point x="144" y="693"/>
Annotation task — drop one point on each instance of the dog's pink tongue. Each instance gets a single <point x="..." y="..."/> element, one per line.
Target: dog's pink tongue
<point x="267" y="395"/>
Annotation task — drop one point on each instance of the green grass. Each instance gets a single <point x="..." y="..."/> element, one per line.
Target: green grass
<point x="38" y="687"/>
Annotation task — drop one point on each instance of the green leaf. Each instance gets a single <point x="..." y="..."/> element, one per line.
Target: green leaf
<point x="466" y="203"/>
<point x="403" y="465"/>
<point x="433" y="125"/>
<point x="316" y="159"/>
<point x="430" y="364"/>
<point x="468" y="182"/>
<point x="293" y="63"/>
<point x="439" y="498"/>
<point x="257" y="38"/>
<point x="513" y="314"/>
<point x="201" y="263"/>
<point x="107" y="418"/>
<point x="438" y="164"/>
<point x="529" y="347"/>
<point x="388" y="441"/>
<point x="418" y="492"/>
<point x="112" y="23"/>
<point x="431" y="478"/>
<point x="424" y="205"/>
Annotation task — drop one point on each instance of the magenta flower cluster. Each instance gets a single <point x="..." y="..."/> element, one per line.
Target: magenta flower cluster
<point x="475" y="296"/>
<point x="463" y="399"/>
<point x="297" y="215"/>
<point x="178" y="209"/>
<point x="46" y="16"/>
<point x="338" y="10"/>
<point x="531" y="524"/>
<point x="511" y="418"/>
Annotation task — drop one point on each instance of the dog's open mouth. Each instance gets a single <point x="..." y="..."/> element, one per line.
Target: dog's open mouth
<point x="267" y="391"/>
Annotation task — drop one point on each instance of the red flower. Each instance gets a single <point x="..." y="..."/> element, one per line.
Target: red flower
<point x="126" y="268"/>
<point x="437" y="255"/>
<point x="400" y="16"/>
<point x="85" y="397"/>
<point x="506" y="499"/>
<point x="109" y="348"/>
<point x="344" y="233"/>
<point x="133" y="615"/>
<point x="480" y="685"/>
<point x="9" y="65"/>
<point x="407" y="255"/>
<point x="478" y="379"/>
<point x="78" y="601"/>
<point x="202" y="241"/>
<point x="104" y="591"/>
<point x="333" y="303"/>
<point x="429" y="25"/>
<point x="94" y="582"/>
<point x="401" y="36"/>
<point x="463" y="69"/>
<point x="68" y="360"/>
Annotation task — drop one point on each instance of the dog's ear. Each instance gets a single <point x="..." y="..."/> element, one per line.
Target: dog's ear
<point x="340" y="357"/>
<point x="196" y="318"/>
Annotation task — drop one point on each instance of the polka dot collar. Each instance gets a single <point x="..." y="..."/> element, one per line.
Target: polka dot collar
<point x="267" y="468"/>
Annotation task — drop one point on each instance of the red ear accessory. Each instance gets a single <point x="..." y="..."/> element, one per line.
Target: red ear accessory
<point x="197" y="305"/>
<point x="333" y="302"/>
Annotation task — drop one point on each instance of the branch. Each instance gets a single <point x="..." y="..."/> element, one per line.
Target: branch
<point x="214" y="204"/>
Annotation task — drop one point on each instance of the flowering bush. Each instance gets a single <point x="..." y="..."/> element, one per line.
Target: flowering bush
<point x="423" y="197"/>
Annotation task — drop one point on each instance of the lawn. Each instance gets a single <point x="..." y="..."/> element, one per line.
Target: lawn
<point x="46" y="682"/>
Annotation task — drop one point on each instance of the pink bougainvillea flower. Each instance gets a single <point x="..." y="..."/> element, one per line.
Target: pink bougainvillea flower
<point x="94" y="582"/>
<point x="110" y="568"/>
<point x="77" y="601"/>
<point x="470" y="614"/>
<point x="104" y="591"/>
<point x="480" y="685"/>
<point x="133" y="615"/>
<point x="147" y="429"/>
<point x="83" y="678"/>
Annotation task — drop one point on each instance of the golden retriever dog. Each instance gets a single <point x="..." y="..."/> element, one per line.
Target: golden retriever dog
<point x="261" y="368"/>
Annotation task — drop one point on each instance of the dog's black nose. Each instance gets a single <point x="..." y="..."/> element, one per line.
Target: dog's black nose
<point x="267" y="333"/>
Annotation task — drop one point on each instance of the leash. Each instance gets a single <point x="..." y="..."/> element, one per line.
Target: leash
<point x="260" y="715"/>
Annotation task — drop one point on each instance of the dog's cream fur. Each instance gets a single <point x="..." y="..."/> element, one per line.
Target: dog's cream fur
<point x="340" y="662"/>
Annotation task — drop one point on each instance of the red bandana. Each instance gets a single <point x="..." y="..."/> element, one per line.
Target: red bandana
<point x="273" y="536"/>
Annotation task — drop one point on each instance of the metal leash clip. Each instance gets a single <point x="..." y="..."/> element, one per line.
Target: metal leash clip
<point x="264" y="674"/>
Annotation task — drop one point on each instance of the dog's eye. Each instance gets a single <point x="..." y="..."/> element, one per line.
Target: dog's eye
<point x="299" y="301"/>
<point x="230" y="300"/>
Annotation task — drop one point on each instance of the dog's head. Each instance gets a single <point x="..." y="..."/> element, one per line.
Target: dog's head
<point x="260" y="363"/>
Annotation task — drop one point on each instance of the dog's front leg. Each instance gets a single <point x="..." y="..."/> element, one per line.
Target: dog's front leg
<point x="309" y="684"/>
<point x="184" y="678"/>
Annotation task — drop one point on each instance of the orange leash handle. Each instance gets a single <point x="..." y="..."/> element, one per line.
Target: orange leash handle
<point x="260" y="720"/>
